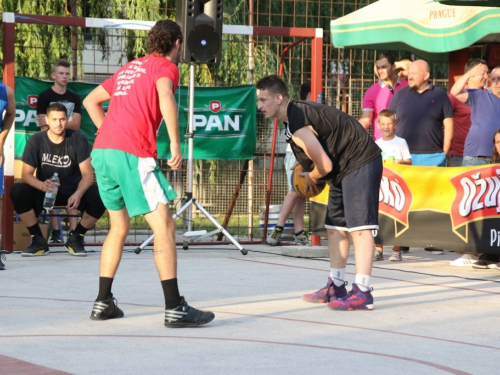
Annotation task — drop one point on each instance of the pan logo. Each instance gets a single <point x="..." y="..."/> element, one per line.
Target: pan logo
<point x="215" y="106"/>
<point x="215" y="120"/>
<point x="32" y="100"/>
<point x="25" y="115"/>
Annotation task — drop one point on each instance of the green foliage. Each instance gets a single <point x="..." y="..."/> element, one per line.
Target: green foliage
<point x="37" y="46"/>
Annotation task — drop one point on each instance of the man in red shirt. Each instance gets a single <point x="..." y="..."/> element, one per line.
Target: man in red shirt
<point x="128" y="175"/>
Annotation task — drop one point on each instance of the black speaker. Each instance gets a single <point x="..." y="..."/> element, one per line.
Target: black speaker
<point x="201" y="24"/>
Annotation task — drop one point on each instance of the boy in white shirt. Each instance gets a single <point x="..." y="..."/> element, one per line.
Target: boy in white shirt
<point x="394" y="150"/>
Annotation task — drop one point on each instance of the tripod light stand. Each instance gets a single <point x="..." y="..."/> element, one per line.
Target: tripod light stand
<point x="191" y="236"/>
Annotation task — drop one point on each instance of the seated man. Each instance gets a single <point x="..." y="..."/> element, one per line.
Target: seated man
<point x="66" y="152"/>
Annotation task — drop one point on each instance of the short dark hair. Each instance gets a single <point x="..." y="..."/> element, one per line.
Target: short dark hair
<point x="61" y="62"/>
<point x="472" y="63"/>
<point x="162" y="37"/>
<point x="388" y="56"/>
<point x="57" y="107"/>
<point x="305" y="89"/>
<point x="273" y="84"/>
<point x="387" y="113"/>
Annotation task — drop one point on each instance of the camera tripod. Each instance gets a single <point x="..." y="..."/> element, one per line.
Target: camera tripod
<point x="190" y="235"/>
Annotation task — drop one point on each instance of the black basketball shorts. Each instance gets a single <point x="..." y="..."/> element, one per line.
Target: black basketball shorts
<point x="353" y="205"/>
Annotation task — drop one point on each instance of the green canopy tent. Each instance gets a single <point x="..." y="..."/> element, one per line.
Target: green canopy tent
<point x="479" y="3"/>
<point x="426" y="28"/>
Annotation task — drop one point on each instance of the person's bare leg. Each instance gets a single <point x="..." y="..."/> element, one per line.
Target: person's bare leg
<point x="338" y="246"/>
<point x="289" y="203"/>
<point x="105" y="307"/>
<point x="54" y="220"/>
<point x="364" y="247"/>
<point x="165" y="253"/>
<point x="286" y="208"/>
<point x="359" y="298"/>
<point x="73" y="220"/>
<point x="298" y="213"/>
<point x="112" y="248"/>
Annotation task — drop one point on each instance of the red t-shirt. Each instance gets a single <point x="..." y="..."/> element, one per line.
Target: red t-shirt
<point x="461" y="125"/>
<point x="134" y="115"/>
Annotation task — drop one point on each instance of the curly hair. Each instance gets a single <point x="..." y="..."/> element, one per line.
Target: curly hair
<point x="162" y="37"/>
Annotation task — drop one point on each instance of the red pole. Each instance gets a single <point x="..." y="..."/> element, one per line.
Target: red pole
<point x="316" y="89"/>
<point x="8" y="79"/>
<point x="273" y="144"/>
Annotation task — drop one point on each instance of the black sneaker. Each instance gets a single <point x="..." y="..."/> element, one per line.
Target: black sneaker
<point x="37" y="248"/>
<point x="186" y="316"/>
<point x="2" y="256"/>
<point x="55" y="236"/>
<point x="75" y="244"/>
<point x="107" y="309"/>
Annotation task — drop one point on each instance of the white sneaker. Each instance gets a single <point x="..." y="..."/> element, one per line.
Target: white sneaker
<point x="466" y="260"/>
<point x="300" y="238"/>
<point x="396" y="256"/>
<point x="274" y="238"/>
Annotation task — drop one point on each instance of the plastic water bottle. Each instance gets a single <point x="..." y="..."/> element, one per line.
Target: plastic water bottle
<point x="50" y="197"/>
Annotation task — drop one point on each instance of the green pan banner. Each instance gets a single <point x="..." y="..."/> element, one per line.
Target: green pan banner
<point x="224" y="123"/>
<point x="224" y="119"/>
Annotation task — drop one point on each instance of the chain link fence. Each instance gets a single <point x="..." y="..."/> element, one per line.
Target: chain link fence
<point x="96" y="54"/>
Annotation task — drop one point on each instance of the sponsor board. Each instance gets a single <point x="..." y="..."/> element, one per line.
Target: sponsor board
<point x="449" y="208"/>
<point x="224" y="121"/>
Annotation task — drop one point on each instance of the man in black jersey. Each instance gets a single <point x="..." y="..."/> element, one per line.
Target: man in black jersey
<point x="67" y="153"/>
<point x="334" y="147"/>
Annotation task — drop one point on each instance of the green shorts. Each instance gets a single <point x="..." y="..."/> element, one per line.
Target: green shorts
<point x="126" y="180"/>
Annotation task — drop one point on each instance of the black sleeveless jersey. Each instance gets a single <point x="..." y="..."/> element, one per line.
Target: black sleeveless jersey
<point x="343" y="138"/>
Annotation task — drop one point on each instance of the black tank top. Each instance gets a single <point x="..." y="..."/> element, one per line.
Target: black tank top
<point x="344" y="140"/>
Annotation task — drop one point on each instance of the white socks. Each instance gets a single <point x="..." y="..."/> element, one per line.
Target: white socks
<point x="363" y="282"/>
<point x="337" y="275"/>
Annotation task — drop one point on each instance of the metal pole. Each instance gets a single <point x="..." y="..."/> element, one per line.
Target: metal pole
<point x="190" y="145"/>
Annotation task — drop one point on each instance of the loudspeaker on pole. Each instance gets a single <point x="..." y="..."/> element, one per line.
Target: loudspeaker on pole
<point x="201" y="23"/>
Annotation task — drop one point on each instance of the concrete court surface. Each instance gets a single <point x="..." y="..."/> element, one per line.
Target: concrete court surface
<point x="429" y="317"/>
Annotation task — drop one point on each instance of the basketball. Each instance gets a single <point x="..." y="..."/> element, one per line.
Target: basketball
<point x="299" y="184"/>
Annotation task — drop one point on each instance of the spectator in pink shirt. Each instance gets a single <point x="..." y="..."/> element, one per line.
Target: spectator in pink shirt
<point x="379" y="95"/>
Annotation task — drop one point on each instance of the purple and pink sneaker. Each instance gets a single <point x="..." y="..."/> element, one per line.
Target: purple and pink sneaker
<point x="329" y="293"/>
<point x="354" y="300"/>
